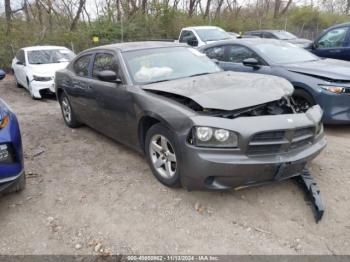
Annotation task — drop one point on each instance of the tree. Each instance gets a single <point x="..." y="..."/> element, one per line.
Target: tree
<point x="77" y="15"/>
<point x="8" y="14"/>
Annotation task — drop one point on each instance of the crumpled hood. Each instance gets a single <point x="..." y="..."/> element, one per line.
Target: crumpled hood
<point x="227" y="90"/>
<point x="326" y="68"/>
<point x="48" y="69"/>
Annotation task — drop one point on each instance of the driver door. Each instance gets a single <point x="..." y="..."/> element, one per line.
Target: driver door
<point x="231" y="58"/>
<point x="112" y="103"/>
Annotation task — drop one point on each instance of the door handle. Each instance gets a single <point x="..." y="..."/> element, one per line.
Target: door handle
<point x="335" y="51"/>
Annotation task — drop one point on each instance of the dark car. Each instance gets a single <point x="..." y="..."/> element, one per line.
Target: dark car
<point x="2" y="74"/>
<point x="280" y="35"/>
<point x="12" y="176"/>
<point x="198" y="126"/>
<point x="333" y="42"/>
<point x="316" y="81"/>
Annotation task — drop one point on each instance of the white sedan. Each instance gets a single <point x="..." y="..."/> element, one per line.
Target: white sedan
<point x="34" y="67"/>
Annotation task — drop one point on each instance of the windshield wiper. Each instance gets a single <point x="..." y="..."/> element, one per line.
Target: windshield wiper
<point x="159" y="81"/>
<point x="200" y="74"/>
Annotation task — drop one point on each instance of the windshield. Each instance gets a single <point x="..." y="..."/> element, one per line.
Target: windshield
<point x="52" y="56"/>
<point x="163" y="64"/>
<point x="284" y="35"/>
<point x="213" y="34"/>
<point x="285" y="54"/>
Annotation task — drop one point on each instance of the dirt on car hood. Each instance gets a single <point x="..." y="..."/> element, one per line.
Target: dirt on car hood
<point x="227" y="90"/>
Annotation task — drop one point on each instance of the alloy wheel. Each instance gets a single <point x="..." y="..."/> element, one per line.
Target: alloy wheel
<point x="163" y="156"/>
<point x="67" y="112"/>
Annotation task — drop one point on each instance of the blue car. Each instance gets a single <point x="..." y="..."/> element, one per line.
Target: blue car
<point x="12" y="175"/>
<point x="333" y="42"/>
<point x="325" y="82"/>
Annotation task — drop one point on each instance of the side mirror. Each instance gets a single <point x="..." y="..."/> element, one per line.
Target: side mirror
<point x="251" y="62"/>
<point x="192" y="42"/>
<point x="2" y="74"/>
<point x="108" y="76"/>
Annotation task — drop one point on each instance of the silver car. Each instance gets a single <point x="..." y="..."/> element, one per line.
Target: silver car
<point x="198" y="126"/>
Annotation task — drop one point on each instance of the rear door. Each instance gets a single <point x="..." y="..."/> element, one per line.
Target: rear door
<point x="334" y="43"/>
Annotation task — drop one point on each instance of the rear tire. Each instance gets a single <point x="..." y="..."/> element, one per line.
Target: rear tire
<point x="68" y="114"/>
<point x="163" y="156"/>
<point x="19" y="186"/>
<point x="302" y="100"/>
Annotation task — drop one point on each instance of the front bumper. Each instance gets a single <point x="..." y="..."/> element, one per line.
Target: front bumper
<point x="219" y="169"/>
<point x="336" y="107"/>
<point x="8" y="182"/>
<point x="42" y="86"/>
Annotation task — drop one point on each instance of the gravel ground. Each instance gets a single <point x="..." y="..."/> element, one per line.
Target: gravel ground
<point x="89" y="195"/>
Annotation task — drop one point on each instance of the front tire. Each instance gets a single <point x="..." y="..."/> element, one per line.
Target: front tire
<point x="302" y="100"/>
<point x="68" y="114"/>
<point x="163" y="156"/>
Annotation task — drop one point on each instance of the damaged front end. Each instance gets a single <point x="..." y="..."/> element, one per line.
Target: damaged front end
<point x="279" y="107"/>
<point x="241" y="138"/>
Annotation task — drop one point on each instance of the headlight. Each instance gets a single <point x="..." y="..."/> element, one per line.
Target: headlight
<point x="4" y="119"/>
<point x="333" y="89"/>
<point x="204" y="134"/>
<point x="5" y="154"/>
<point x="42" y="78"/>
<point x="214" y="137"/>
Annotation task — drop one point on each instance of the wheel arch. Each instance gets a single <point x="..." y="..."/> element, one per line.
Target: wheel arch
<point x="302" y="88"/>
<point x="144" y="124"/>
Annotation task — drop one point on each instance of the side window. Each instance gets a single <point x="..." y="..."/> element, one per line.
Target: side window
<point x="217" y="52"/>
<point x="81" y="66"/>
<point x="237" y="53"/>
<point x="186" y="35"/>
<point x="269" y="35"/>
<point x="257" y="34"/>
<point x="105" y="62"/>
<point x="20" y="56"/>
<point x="333" y="38"/>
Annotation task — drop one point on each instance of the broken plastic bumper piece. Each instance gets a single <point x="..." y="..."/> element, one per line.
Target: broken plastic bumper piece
<point x="308" y="184"/>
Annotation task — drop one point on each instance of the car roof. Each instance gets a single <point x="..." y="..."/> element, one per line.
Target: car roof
<point x="339" y="25"/>
<point x="200" y="27"/>
<point x="43" y="47"/>
<point x="266" y="30"/>
<point x="248" y="42"/>
<point x="132" y="46"/>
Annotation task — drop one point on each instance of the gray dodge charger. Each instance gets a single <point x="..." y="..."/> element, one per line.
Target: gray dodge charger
<point x="198" y="126"/>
